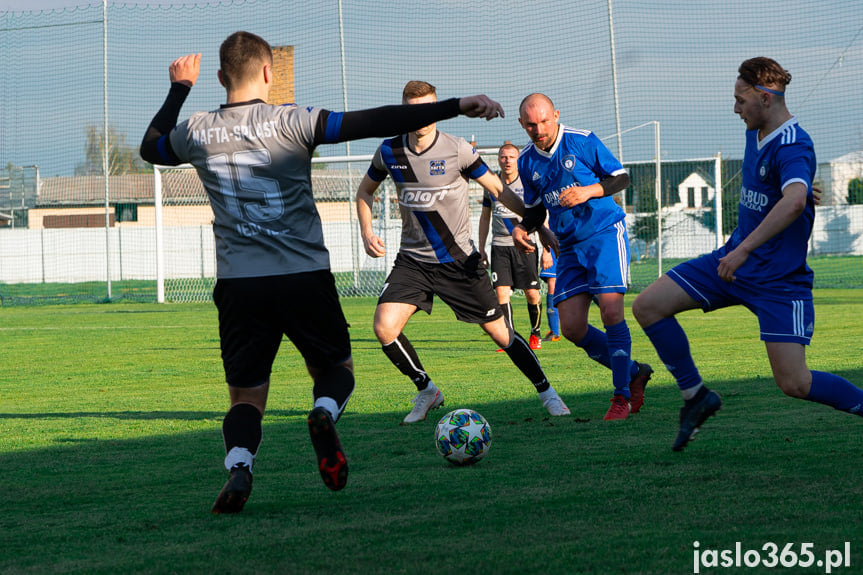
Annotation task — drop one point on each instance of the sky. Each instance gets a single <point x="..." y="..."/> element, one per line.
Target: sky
<point x="681" y="76"/>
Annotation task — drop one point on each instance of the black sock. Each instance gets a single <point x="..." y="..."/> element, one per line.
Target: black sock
<point x="336" y="382"/>
<point x="403" y="355"/>
<point x="242" y="428"/>
<point x="524" y="359"/>
<point x="534" y="312"/>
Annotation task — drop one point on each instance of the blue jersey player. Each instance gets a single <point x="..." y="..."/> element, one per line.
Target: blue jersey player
<point x="762" y="266"/>
<point x="570" y="175"/>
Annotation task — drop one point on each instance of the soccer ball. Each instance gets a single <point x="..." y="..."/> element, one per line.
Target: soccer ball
<point x="462" y="437"/>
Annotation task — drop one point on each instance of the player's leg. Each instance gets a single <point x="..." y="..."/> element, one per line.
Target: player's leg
<point x="525" y="273"/>
<point x="407" y="289"/>
<point x="551" y="312"/>
<point x="788" y="358"/>
<point x="534" y="314"/>
<point x="249" y="345"/>
<point x="333" y="387"/>
<point x="502" y="280"/>
<point x="319" y="330"/>
<point x="525" y="360"/>
<point x="465" y="288"/>
<point x="654" y="309"/>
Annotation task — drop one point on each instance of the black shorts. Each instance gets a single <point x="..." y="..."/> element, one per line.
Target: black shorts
<point x="464" y="286"/>
<point x="254" y="314"/>
<point x="512" y="267"/>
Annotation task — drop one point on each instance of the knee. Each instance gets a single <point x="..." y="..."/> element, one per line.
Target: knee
<point x="573" y="333"/>
<point x="640" y="310"/>
<point x="794" y="386"/>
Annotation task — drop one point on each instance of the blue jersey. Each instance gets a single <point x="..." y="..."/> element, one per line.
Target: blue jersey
<point x="577" y="158"/>
<point x="785" y="156"/>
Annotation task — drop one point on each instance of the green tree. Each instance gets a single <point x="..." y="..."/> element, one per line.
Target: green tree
<point x="646" y="225"/>
<point x="855" y="191"/>
<point x="122" y="158"/>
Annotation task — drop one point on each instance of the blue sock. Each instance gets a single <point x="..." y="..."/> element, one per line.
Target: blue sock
<point x="672" y="347"/>
<point x="595" y="343"/>
<point x="619" y="351"/>
<point x="551" y="313"/>
<point x="835" y="391"/>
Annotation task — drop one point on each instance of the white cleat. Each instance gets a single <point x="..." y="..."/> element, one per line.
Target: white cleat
<point x="555" y="406"/>
<point x="424" y="402"/>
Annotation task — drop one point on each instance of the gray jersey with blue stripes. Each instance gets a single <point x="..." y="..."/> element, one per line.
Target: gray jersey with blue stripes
<point x="433" y="194"/>
<point x="254" y="162"/>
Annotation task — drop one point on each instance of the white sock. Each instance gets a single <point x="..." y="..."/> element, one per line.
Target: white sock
<point x="690" y="392"/>
<point x="550" y="392"/>
<point x="330" y="405"/>
<point x="239" y="455"/>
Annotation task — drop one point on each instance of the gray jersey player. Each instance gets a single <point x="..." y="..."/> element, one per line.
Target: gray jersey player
<point x="437" y="256"/>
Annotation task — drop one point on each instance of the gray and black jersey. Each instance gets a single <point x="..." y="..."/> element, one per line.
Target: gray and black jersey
<point x="432" y="190"/>
<point x="503" y="220"/>
<point x="253" y="160"/>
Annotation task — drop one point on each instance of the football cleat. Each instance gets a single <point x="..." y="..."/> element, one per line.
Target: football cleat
<point x="551" y="337"/>
<point x="637" y="385"/>
<point x="331" y="457"/>
<point x="423" y="403"/>
<point x="235" y="492"/>
<point x="619" y="408"/>
<point x="555" y="406"/>
<point x="535" y="342"/>
<point x="693" y="414"/>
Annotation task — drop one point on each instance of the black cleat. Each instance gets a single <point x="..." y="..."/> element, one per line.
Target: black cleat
<point x="637" y="385"/>
<point x="694" y="413"/>
<point x="235" y="492"/>
<point x="331" y="458"/>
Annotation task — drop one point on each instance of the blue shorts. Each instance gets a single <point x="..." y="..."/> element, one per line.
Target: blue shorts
<point x="599" y="264"/>
<point x="552" y="271"/>
<point x="785" y="313"/>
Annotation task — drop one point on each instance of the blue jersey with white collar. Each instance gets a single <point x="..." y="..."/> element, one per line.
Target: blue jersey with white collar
<point x="578" y="157"/>
<point x="785" y="156"/>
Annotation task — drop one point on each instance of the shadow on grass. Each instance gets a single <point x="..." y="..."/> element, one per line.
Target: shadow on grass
<point x="555" y="495"/>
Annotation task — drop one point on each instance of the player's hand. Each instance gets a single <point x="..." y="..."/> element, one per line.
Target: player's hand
<point x="549" y="240"/>
<point x="185" y="69"/>
<point x="575" y="195"/>
<point x="480" y="107"/>
<point x="546" y="260"/>
<point x="522" y="239"/>
<point x="374" y="246"/>
<point x="484" y="256"/>
<point x="730" y="264"/>
<point x="816" y="195"/>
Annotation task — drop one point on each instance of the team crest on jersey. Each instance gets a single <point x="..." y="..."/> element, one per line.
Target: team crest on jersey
<point x="437" y="167"/>
<point x="568" y="162"/>
<point x="764" y="170"/>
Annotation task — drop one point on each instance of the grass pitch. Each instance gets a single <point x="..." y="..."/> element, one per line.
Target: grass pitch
<point x="111" y="454"/>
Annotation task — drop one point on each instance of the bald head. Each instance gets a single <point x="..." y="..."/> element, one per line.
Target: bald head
<point x="537" y="116"/>
<point x="535" y="100"/>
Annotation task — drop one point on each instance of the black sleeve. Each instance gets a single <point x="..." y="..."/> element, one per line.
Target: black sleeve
<point x="613" y="184"/>
<point x="156" y="147"/>
<point x="533" y="218"/>
<point x="381" y="122"/>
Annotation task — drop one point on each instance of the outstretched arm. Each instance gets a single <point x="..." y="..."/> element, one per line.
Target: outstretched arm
<point x="385" y="121"/>
<point x="156" y="147"/>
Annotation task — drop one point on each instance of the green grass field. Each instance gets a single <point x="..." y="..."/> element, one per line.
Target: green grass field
<point x="111" y="454"/>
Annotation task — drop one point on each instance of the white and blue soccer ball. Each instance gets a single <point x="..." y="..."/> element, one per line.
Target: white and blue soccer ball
<point x="463" y="437"/>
